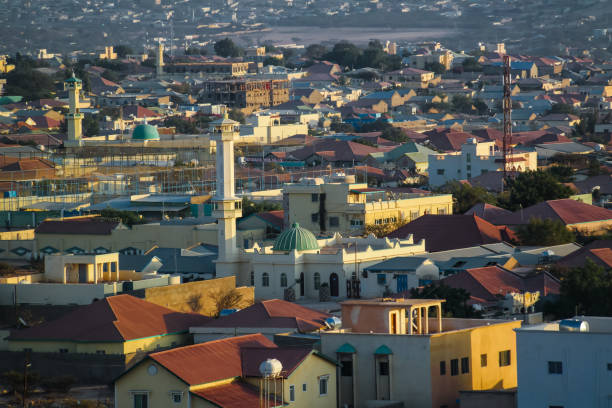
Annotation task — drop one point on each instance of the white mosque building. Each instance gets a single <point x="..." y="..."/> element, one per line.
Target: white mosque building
<point x="299" y="265"/>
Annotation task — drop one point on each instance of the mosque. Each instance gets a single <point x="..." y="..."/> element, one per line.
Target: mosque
<point x="297" y="265"/>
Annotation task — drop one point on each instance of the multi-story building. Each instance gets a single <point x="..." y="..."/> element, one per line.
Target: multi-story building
<point x="268" y="129"/>
<point x="402" y="352"/>
<point x="566" y="363"/>
<point x="245" y="94"/>
<point x="338" y="204"/>
<point x="224" y="69"/>
<point x="474" y="159"/>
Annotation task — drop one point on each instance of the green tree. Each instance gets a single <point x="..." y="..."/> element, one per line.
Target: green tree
<point x="315" y="51"/>
<point x="227" y="48"/>
<point x="341" y="127"/>
<point x="237" y="115"/>
<point x="435" y="67"/>
<point x="182" y="126"/>
<point x="562" y="108"/>
<point x="481" y="106"/>
<point x="345" y="54"/>
<point x="563" y="174"/>
<point x="456" y="299"/>
<point x="128" y="218"/>
<point x="585" y="290"/>
<point x="91" y="126"/>
<point x="544" y="232"/>
<point x="252" y="207"/>
<point x="111" y="75"/>
<point x="471" y="65"/>
<point x="29" y="83"/>
<point x="123" y="50"/>
<point x="466" y="196"/>
<point x="462" y="103"/>
<point x="532" y="187"/>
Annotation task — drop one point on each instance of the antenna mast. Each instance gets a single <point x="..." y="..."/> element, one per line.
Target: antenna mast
<point x="507" y="105"/>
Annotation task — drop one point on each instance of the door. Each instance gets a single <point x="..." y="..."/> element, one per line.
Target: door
<point x="302" y="284"/>
<point x="402" y="283"/>
<point x="82" y="273"/>
<point x="333" y="285"/>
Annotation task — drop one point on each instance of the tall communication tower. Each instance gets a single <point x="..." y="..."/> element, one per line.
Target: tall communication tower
<point x="507" y="140"/>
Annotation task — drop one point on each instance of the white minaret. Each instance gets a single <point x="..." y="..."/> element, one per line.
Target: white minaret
<point x="74" y="116"/>
<point x="159" y="62"/>
<point x="226" y="206"/>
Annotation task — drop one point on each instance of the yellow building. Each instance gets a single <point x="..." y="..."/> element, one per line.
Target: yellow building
<point x="338" y="204"/>
<point x="226" y="373"/>
<point x="403" y="351"/>
<point x="4" y="67"/>
<point x="117" y="325"/>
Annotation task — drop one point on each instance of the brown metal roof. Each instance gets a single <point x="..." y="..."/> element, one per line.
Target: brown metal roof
<point x="87" y="226"/>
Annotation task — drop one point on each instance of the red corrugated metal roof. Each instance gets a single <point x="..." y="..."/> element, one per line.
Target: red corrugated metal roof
<point x="233" y="395"/>
<point x="116" y="318"/>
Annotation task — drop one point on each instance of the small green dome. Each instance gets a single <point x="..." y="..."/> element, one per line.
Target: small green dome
<point x="297" y="238"/>
<point x="145" y="132"/>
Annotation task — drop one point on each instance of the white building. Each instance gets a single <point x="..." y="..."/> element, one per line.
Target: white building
<point x="268" y="129"/>
<point x="562" y="364"/>
<point x="474" y="159"/>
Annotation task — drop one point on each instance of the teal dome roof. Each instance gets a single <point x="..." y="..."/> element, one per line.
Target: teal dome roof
<point x="145" y="132"/>
<point x="297" y="238"/>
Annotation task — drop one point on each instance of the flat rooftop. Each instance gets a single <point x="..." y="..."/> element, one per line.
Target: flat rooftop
<point x="596" y="324"/>
<point x="392" y="302"/>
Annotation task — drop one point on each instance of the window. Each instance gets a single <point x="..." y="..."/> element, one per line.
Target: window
<point x="323" y="385"/>
<point x="441" y="211"/>
<point x="265" y="280"/>
<point x="609" y="366"/>
<point x="414" y="215"/>
<point x="63" y="350"/>
<point x="101" y="352"/>
<point x="314" y="217"/>
<point x="252" y="278"/>
<point x="440" y="172"/>
<point x="356" y="222"/>
<point x="292" y="393"/>
<point x="347" y="369"/>
<point x="176" y="397"/>
<point x="334" y="221"/>
<point x="304" y="387"/>
<point x="454" y="366"/>
<point x="317" y="280"/>
<point x="504" y="358"/>
<point x="283" y="280"/>
<point x="465" y="365"/>
<point x="314" y="198"/>
<point x="141" y="400"/>
<point x="555" y="367"/>
<point x="381" y="278"/>
<point x="442" y="367"/>
<point x="483" y="360"/>
<point x="383" y="368"/>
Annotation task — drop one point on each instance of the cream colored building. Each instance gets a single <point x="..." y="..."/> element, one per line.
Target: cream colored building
<point x="268" y="129"/>
<point x="339" y="204"/>
<point x="225" y="373"/>
<point x="71" y="268"/>
<point x="474" y="159"/>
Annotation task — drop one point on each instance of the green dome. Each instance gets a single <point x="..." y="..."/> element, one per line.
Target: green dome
<point x="145" y="132"/>
<point x="297" y="238"/>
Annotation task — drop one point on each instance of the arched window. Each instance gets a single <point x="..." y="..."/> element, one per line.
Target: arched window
<point x="317" y="280"/>
<point x="283" y="278"/>
<point x="265" y="280"/>
<point x="252" y="278"/>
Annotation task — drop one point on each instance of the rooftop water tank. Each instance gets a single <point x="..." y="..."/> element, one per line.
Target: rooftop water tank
<point x="573" y="325"/>
<point x="270" y="368"/>
<point x="333" y="322"/>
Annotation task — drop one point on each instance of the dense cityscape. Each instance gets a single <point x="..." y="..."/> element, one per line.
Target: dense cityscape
<point x="307" y="203"/>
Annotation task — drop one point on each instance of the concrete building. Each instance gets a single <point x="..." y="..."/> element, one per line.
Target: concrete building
<point x="248" y="95"/>
<point x="339" y="204"/>
<point x="210" y="68"/>
<point x="474" y="159"/>
<point x="226" y="373"/>
<point x="82" y="268"/>
<point x="74" y="117"/>
<point x="403" y="353"/>
<point x="159" y="60"/>
<point x="566" y="363"/>
<point x="268" y="129"/>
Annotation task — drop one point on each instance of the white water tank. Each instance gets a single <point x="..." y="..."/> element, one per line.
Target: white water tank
<point x="270" y="368"/>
